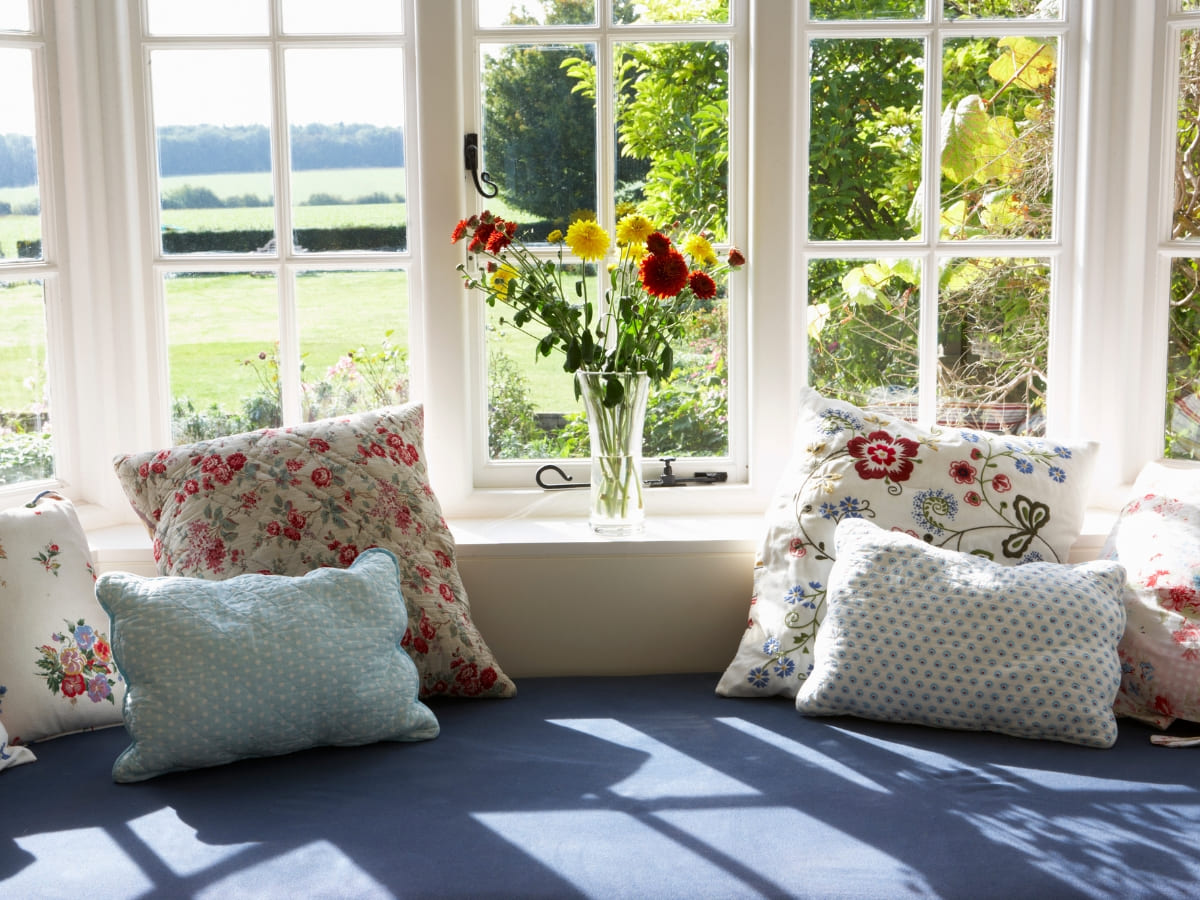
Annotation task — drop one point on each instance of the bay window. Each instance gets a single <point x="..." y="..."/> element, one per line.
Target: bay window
<point x="237" y="214"/>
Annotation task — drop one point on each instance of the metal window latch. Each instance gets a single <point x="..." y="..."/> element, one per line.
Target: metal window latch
<point x="471" y="160"/>
<point x="668" y="478"/>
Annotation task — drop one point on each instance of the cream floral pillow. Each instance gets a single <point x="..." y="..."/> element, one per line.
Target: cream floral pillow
<point x="288" y="500"/>
<point x="1009" y="499"/>
<point x="57" y="673"/>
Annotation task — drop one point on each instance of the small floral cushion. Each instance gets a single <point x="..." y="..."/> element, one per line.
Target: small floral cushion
<point x="1157" y="539"/>
<point x="57" y="674"/>
<point x="288" y="500"/>
<point x="1009" y="499"/>
<point x="13" y="755"/>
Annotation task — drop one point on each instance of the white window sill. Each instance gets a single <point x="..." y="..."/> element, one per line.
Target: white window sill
<point x="127" y="545"/>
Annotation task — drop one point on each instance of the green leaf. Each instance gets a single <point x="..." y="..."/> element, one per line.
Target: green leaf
<point x="614" y="391"/>
<point x="1033" y="59"/>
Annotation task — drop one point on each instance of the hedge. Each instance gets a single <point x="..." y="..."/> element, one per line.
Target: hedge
<point x="314" y="240"/>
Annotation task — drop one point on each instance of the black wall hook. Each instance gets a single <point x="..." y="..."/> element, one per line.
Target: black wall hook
<point x="471" y="158"/>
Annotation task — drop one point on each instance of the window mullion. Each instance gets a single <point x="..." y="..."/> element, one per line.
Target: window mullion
<point x="289" y="330"/>
<point x="927" y="335"/>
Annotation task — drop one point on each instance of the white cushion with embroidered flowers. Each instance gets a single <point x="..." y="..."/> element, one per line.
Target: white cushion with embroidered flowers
<point x="285" y="501"/>
<point x="57" y="674"/>
<point x="1009" y="499"/>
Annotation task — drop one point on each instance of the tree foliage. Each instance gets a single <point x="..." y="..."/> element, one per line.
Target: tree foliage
<point x="996" y="168"/>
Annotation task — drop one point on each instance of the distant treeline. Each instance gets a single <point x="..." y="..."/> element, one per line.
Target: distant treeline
<point x="208" y="149"/>
<point x="18" y="160"/>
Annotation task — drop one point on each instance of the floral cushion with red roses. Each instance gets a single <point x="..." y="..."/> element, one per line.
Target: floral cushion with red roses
<point x="1009" y="499"/>
<point x="285" y="501"/>
<point x="1157" y="539"/>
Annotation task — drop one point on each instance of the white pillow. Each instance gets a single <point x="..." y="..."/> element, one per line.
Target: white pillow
<point x="1012" y="499"/>
<point x="12" y="756"/>
<point x="934" y="637"/>
<point x="56" y="668"/>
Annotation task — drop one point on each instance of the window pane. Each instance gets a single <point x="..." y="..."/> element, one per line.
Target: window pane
<point x="1183" y="361"/>
<point x="673" y="157"/>
<point x="20" y="200"/>
<point x="993" y="338"/>
<point x="171" y="17"/>
<point x="353" y="341"/>
<point x="26" y="452"/>
<point x="1002" y="9"/>
<point x="539" y="134"/>
<point x="212" y="114"/>
<point x="343" y="17"/>
<point x="346" y="116"/>
<point x="863" y="319"/>
<point x="865" y="141"/>
<point x="14" y="15"/>
<point x="532" y="410"/>
<point x="998" y="141"/>
<point x="1186" y="219"/>
<point x="867" y="9"/>
<point x="681" y="11"/>
<point x="222" y="350"/>
<point x="497" y="13"/>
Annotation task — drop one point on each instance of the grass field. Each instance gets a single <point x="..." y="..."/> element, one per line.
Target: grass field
<point x="215" y="323"/>
<point x="348" y="184"/>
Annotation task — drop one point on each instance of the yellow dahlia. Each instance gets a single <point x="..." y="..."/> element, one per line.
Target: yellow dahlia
<point x="587" y="240"/>
<point x="699" y="249"/>
<point x="634" y="229"/>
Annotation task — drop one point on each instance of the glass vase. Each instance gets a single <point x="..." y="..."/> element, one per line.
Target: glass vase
<point x="615" y="433"/>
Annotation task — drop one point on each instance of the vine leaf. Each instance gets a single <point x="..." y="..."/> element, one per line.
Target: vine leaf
<point x="1032" y="59"/>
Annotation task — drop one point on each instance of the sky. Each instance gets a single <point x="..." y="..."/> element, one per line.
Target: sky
<point x="16" y="97"/>
<point x="230" y="87"/>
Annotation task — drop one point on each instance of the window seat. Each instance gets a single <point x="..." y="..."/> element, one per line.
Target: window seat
<point x="551" y="598"/>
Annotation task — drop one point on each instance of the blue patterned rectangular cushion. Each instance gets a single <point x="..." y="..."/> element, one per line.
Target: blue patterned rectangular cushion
<point x="928" y="636"/>
<point x="261" y="665"/>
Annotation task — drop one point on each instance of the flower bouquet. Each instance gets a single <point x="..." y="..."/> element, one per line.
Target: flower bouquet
<point x="617" y="343"/>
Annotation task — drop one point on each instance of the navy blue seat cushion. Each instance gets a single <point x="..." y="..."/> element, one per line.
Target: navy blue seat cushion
<point x="609" y="787"/>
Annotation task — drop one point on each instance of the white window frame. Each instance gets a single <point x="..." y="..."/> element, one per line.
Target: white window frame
<point x="930" y="249"/>
<point x="489" y="473"/>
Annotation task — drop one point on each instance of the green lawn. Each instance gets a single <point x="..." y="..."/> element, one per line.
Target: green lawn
<point x="215" y="323"/>
<point x="22" y="345"/>
<point x="208" y="346"/>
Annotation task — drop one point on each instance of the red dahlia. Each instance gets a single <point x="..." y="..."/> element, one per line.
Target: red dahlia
<point x="658" y="243"/>
<point x="702" y="285"/>
<point x="664" y="274"/>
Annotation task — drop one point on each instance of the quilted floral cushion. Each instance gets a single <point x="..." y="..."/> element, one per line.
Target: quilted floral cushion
<point x="56" y="670"/>
<point x="1157" y="539"/>
<point x="1009" y="499"/>
<point x="288" y="500"/>
<point x="934" y="637"/>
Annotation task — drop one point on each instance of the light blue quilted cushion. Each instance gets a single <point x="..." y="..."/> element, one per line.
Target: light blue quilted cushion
<point x="261" y="665"/>
<point x="927" y="636"/>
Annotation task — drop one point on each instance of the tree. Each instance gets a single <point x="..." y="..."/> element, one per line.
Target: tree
<point x="539" y="136"/>
<point x="996" y="181"/>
